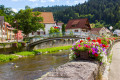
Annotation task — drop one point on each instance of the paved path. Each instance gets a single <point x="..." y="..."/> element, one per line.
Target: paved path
<point x="115" y="65"/>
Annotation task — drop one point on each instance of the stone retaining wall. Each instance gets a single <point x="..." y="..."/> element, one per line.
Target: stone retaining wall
<point x="79" y="70"/>
<point x="75" y="70"/>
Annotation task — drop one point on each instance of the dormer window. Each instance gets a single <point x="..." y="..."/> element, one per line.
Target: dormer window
<point x="73" y="25"/>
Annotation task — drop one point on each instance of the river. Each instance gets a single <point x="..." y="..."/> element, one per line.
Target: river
<point x="32" y="67"/>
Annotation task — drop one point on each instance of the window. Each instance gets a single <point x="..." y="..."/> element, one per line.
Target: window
<point x="76" y="30"/>
<point x="38" y="33"/>
<point x="73" y="25"/>
<point x="44" y="33"/>
<point x="102" y="33"/>
<point x="32" y="33"/>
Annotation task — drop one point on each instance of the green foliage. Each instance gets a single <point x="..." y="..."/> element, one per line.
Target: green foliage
<point x="7" y="13"/>
<point x="51" y="9"/>
<point x="63" y="29"/>
<point x="25" y="53"/>
<point x="110" y="58"/>
<point x="115" y="35"/>
<point x="5" y="58"/>
<point x="53" y="49"/>
<point x="15" y="31"/>
<point x="117" y="25"/>
<point x="71" y="33"/>
<point x="54" y="32"/>
<point x="28" y="21"/>
<point x="101" y="10"/>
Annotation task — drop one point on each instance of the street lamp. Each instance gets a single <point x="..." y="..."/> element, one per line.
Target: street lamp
<point x="110" y="27"/>
<point x="17" y="29"/>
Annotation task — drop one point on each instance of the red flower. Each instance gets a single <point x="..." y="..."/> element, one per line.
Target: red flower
<point x="93" y="40"/>
<point x="103" y="45"/>
<point x="99" y="41"/>
<point x="88" y="38"/>
<point x="96" y="55"/>
<point x="81" y="41"/>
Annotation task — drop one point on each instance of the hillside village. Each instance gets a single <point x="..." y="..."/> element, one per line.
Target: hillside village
<point x="76" y="26"/>
<point x="59" y="39"/>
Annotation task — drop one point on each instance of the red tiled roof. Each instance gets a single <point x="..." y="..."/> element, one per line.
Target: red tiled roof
<point x="60" y="24"/>
<point x="47" y="17"/>
<point x="95" y="32"/>
<point x="80" y="23"/>
<point x="7" y="23"/>
<point x="96" y="29"/>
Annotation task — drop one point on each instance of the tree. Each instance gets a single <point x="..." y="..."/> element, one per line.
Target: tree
<point x="54" y="30"/>
<point x="27" y="7"/>
<point x="63" y="29"/>
<point x="118" y="25"/>
<point x="28" y="21"/>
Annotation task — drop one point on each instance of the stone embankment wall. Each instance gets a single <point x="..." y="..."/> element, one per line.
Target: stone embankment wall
<point x="75" y="70"/>
<point x="79" y="70"/>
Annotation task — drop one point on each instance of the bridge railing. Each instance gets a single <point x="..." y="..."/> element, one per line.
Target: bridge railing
<point x="76" y="34"/>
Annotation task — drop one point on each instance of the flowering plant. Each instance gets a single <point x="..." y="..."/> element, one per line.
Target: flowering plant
<point x="96" y="48"/>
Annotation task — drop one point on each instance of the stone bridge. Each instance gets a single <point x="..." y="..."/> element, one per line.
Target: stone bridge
<point x="52" y="41"/>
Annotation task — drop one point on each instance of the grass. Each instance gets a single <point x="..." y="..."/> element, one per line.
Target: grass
<point x="6" y="58"/>
<point x="53" y="49"/>
<point x="26" y="53"/>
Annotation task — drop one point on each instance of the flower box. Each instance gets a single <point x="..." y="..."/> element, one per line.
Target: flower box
<point x="14" y="44"/>
<point x="83" y="55"/>
<point x="23" y="44"/>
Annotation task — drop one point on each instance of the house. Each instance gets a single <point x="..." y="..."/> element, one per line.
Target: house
<point x="48" y="22"/>
<point x="19" y="35"/>
<point x="10" y="32"/>
<point x="3" y="35"/>
<point x="59" y="25"/>
<point x="117" y="32"/>
<point x="101" y="31"/>
<point x="78" y="26"/>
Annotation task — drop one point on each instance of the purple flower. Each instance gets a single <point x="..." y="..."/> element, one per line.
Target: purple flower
<point x="103" y="49"/>
<point x="100" y="45"/>
<point x="72" y="48"/>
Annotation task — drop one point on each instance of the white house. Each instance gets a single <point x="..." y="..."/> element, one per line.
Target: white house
<point x="117" y="31"/>
<point x="77" y="26"/>
<point x="48" y="22"/>
<point x="101" y="31"/>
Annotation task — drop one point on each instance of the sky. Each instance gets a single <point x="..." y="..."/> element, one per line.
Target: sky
<point x="16" y="5"/>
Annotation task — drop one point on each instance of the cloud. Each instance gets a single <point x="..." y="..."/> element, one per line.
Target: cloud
<point x="33" y="0"/>
<point x="15" y="10"/>
<point x="76" y="2"/>
<point x="43" y="1"/>
<point x="81" y="1"/>
<point x="15" y="0"/>
<point x="52" y="0"/>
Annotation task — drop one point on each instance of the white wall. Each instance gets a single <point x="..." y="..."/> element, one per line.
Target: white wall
<point x="75" y="33"/>
<point x="47" y="28"/>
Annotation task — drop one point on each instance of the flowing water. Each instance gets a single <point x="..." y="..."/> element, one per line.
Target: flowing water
<point x="32" y="67"/>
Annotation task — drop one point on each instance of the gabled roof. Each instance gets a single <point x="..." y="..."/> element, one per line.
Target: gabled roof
<point x="60" y="24"/>
<point x="6" y="23"/>
<point x="96" y="29"/>
<point x="95" y="32"/>
<point x="79" y="23"/>
<point x="47" y="17"/>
